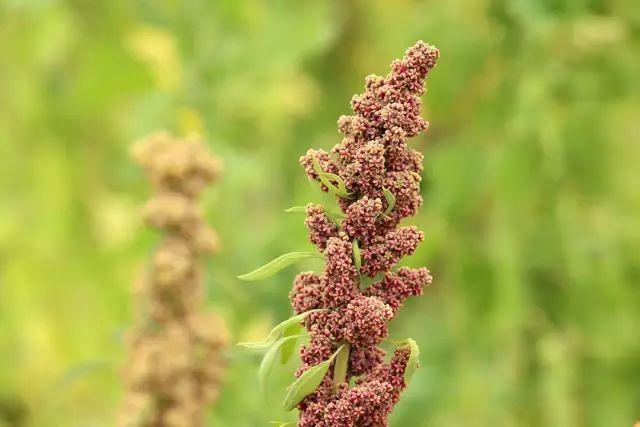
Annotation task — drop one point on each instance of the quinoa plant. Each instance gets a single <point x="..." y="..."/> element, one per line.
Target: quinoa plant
<point x="174" y="367"/>
<point x="343" y="380"/>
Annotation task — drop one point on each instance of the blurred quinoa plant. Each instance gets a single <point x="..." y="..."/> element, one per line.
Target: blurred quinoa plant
<point x="343" y="380"/>
<point x="175" y="366"/>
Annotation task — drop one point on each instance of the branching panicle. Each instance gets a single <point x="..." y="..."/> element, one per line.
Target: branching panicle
<point x="382" y="178"/>
<point x="175" y="365"/>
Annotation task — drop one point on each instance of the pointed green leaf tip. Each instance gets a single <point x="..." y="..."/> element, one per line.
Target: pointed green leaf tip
<point x="296" y="209"/>
<point x="391" y="201"/>
<point x="326" y="178"/>
<point x="308" y="382"/>
<point x="357" y="260"/>
<point x="276" y="265"/>
<point x="412" y="362"/>
<point x="278" y="331"/>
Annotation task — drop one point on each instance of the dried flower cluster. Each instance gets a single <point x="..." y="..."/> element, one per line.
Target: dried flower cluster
<point x="372" y="159"/>
<point x="175" y="365"/>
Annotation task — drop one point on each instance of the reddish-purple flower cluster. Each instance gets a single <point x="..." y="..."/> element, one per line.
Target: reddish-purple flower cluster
<point x="373" y="156"/>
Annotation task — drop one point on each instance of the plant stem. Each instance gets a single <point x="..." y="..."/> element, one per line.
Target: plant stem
<point x="340" y="367"/>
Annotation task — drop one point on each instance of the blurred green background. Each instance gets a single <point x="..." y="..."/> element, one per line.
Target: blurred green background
<point x="531" y="186"/>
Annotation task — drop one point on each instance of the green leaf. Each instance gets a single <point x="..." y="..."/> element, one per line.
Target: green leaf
<point x="278" y="331"/>
<point x="342" y="187"/>
<point x="326" y="200"/>
<point x="283" y="424"/>
<point x="296" y="209"/>
<point x="366" y="281"/>
<point x="277" y="264"/>
<point x="357" y="260"/>
<point x="413" y="362"/>
<point x="308" y="382"/>
<point x="340" y="368"/>
<point x="288" y="347"/>
<point x="391" y="201"/>
<point x="270" y="357"/>
<point x="325" y="178"/>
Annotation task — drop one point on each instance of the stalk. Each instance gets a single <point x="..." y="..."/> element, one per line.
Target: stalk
<point x="340" y="367"/>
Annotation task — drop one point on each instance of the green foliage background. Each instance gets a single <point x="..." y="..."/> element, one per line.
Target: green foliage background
<point x="532" y="193"/>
